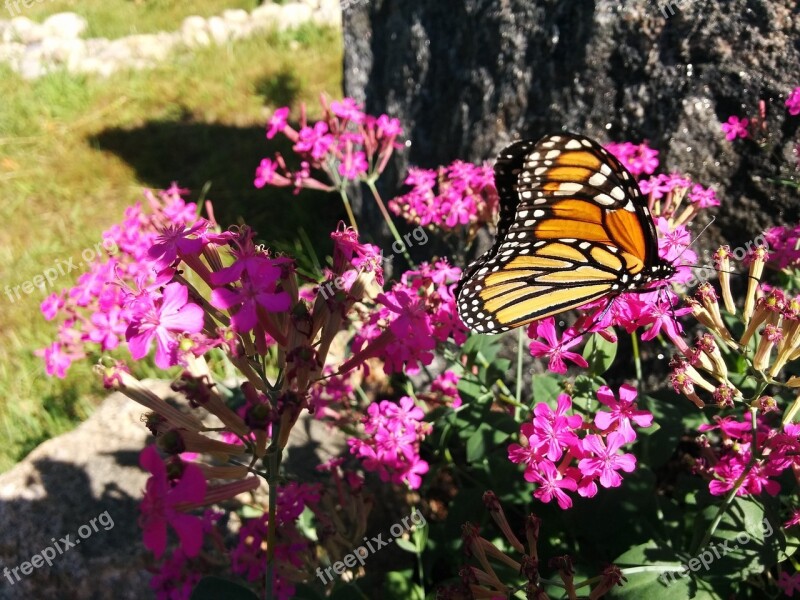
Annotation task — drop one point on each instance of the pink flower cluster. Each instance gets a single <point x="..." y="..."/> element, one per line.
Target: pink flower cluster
<point x="391" y="447"/>
<point x="121" y="297"/>
<point x="562" y="453"/>
<point x="293" y="551"/>
<point x="654" y="310"/>
<point x="458" y="195"/>
<point x="725" y="462"/>
<point x="784" y="246"/>
<point x="639" y="159"/>
<point x="347" y="144"/>
<point x="132" y="296"/>
<point x="412" y="318"/>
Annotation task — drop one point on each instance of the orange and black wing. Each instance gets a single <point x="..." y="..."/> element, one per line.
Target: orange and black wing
<point x="573" y="228"/>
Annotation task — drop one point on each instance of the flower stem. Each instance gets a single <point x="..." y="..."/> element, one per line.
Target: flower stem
<point x="389" y="222"/>
<point x="520" y="347"/>
<point x="273" y="467"/>
<point x="637" y="360"/>
<point x="349" y="209"/>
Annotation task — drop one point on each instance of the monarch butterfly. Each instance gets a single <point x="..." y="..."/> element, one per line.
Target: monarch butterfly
<point x="573" y="228"/>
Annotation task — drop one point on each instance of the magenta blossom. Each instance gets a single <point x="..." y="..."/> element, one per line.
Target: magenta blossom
<point x="623" y="412"/>
<point x="557" y="351"/>
<point x="793" y="102"/>
<point x="158" y="507"/>
<point x="735" y="128"/>
<point x="166" y="317"/>
<point x="606" y="460"/>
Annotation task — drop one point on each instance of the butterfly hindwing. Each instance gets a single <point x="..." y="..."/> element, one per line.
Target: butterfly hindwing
<point x="573" y="228"/>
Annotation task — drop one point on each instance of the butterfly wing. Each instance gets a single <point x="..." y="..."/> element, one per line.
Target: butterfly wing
<point x="573" y="228"/>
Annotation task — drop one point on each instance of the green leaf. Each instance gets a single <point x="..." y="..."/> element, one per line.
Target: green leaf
<point x="599" y="353"/>
<point x="476" y="445"/>
<point x="400" y="586"/>
<point x="251" y="512"/>
<point x="546" y="388"/>
<point x="655" y="572"/>
<point x="214" y="588"/>
<point x="406" y="545"/>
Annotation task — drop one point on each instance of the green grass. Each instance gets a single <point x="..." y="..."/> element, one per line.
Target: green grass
<point x="118" y="18"/>
<point x="76" y="150"/>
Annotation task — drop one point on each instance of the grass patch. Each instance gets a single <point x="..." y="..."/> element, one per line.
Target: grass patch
<point x="118" y="18"/>
<point x="76" y="150"/>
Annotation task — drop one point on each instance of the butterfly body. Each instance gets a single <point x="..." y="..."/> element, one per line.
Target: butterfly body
<point x="573" y="228"/>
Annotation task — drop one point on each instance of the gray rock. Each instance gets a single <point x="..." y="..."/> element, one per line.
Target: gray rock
<point x="66" y="482"/>
<point x="218" y="29"/>
<point x="266" y="15"/>
<point x="466" y="78"/>
<point x="61" y="486"/>
<point x="194" y="32"/>
<point x="23" y="30"/>
<point x="65" y="25"/>
<point x="294" y="14"/>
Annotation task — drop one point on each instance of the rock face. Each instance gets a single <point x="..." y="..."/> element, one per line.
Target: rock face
<point x="467" y="77"/>
<point x="93" y="473"/>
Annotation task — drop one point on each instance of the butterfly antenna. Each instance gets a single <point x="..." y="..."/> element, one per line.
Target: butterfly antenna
<point x="697" y="237"/>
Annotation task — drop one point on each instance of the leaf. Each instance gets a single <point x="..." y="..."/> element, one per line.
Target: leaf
<point x="599" y="353"/>
<point x="662" y="577"/>
<point x="476" y="445"/>
<point x="545" y="388"/>
<point x="400" y="586"/>
<point x="406" y="545"/>
<point x="214" y="588"/>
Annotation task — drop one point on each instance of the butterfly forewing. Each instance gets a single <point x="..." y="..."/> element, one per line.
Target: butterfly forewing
<point x="573" y="228"/>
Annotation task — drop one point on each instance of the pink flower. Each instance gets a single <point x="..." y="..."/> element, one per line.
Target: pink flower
<point x="51" y="305"/>
<point x="622" y="412"/>
<point x="553" y="430"/>
<point x="354" y="165"/>
<point x="789" y="583"/>
<point x="735" y="127"/>
<point x="258" y="289"/>
<point x="552" y="485"/>
<point x="166" y="316"/>
<point x="159" y="501"/>
<point x="394" y="433"/>
<point x="348" y="109"/>
<point x="277" y="122"/>
<point x="57" y="360"/>
<point x="606" y="460"/>
<point x="314" y="140"/>
<point x="557" y="351"/>
<point x="793" y="102"/>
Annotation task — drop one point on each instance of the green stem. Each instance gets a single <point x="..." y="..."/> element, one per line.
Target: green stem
<point x="388" y="219"/>
<point x="273" y="468"/>
<point x="348" y="208"/>
<point x="520" y="347"/>
<point x="637" y="360"/>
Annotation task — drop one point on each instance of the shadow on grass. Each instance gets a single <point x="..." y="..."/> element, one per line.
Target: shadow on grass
<point x="280" y="89"/>
<point x="225" y="157"/>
